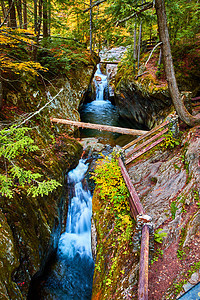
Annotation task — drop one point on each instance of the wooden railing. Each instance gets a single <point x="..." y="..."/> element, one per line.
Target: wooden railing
<point x="196" y="103"/>
<point x="147" y="142"/>
<point x="151" y="142"/>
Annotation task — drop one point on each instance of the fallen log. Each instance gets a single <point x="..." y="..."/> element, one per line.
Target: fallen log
<point x="110" y="62"/>
<point x="121" y="130"/>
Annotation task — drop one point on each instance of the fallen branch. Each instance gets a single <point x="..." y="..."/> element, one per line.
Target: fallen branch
<point x="99" y="127"/>
<point x="38" y="111"/>
<point x="152" y="52"/>
<point x="136" y="77"/>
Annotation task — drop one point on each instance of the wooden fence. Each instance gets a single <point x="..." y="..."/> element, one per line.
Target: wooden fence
<point x="195" y="103"/>
<point x="147" y="142"/>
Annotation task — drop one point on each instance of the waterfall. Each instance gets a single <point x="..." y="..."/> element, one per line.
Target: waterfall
<point x="101" y="84"/>
<point x="76" y="241"/>
<point x="70" y="276"/>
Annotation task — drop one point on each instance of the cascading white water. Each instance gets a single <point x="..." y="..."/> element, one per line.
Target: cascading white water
<point x="101" y="84"/>
<point x="71" y="275"/>
<point x="77" y="238"/>
<point x="100" y="110"/>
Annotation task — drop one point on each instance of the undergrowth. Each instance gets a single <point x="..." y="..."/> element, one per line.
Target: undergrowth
<point x="114" y="224"/>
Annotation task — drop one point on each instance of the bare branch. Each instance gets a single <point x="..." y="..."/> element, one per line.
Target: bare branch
<point x="152" y="53"/>
<point x="7" y="14"/>
<point x="136" y="77"/>
<point x="38" y="111"/>
<point x="93" y="5"/>
<point x="146" y="7"/>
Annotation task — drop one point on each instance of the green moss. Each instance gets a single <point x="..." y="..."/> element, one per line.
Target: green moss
<point x="115" y="230"/>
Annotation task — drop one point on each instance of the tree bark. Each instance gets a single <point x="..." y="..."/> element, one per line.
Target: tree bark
<point x="19" y="12"/>
<point x="90" y="26"/>
<point x="35" y="16"/>
<point x="181" y="110"/>
<point x="25" y="24"/>
<point x="45" y="19"/>
<point x="13" y="21"/>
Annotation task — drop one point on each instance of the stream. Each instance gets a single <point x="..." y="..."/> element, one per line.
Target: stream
<point x="69" y="275"/>
<point x="102" y="111"/>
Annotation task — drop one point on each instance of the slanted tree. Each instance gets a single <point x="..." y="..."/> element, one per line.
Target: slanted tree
<point x="178" y="101"/>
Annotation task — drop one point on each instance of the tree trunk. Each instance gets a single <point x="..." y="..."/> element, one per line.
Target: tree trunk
<point x="181" y="110"/>
<point x="45" y="19"/>
<point x="49" y="17"/>
<point x="139" y="44"/>
<point x="19" y="12"/>
<point x="135" y="41"/>
<point x="38" y="28"/>
<point x="25" y="14"/>
<point x="13" y="21"/>
<point x="35" y="16"/>
<point x="90" y="26"/>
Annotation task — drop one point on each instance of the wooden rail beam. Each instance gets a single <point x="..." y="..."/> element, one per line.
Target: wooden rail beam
<point x="99" y="127"/>
<point x="144" y="265"/>
<point x="135" y="203"/>
<point x="148" y="133"/>
<point x="195" y="99"/>
<point x="144" y="150"/>
<point x="147" y="142"/>
<point x="195" y="104"/>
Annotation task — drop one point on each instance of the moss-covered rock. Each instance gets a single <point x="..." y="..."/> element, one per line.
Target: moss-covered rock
<point x="144" y="100"/>
<point x="30" y="227"/>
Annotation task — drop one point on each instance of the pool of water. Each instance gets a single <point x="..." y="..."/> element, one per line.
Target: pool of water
<point x="104" y="112"/>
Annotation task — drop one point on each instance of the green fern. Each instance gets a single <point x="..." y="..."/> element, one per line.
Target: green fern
<point x="14" y="142"/>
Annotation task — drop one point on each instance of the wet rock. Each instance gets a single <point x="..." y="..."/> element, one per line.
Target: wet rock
<point x="92" y="144"/>
<point x="30" y="227"/>
<point x="138" y="104"/>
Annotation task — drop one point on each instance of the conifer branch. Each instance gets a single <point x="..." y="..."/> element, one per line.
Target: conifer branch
<point x="146" y="7"/>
